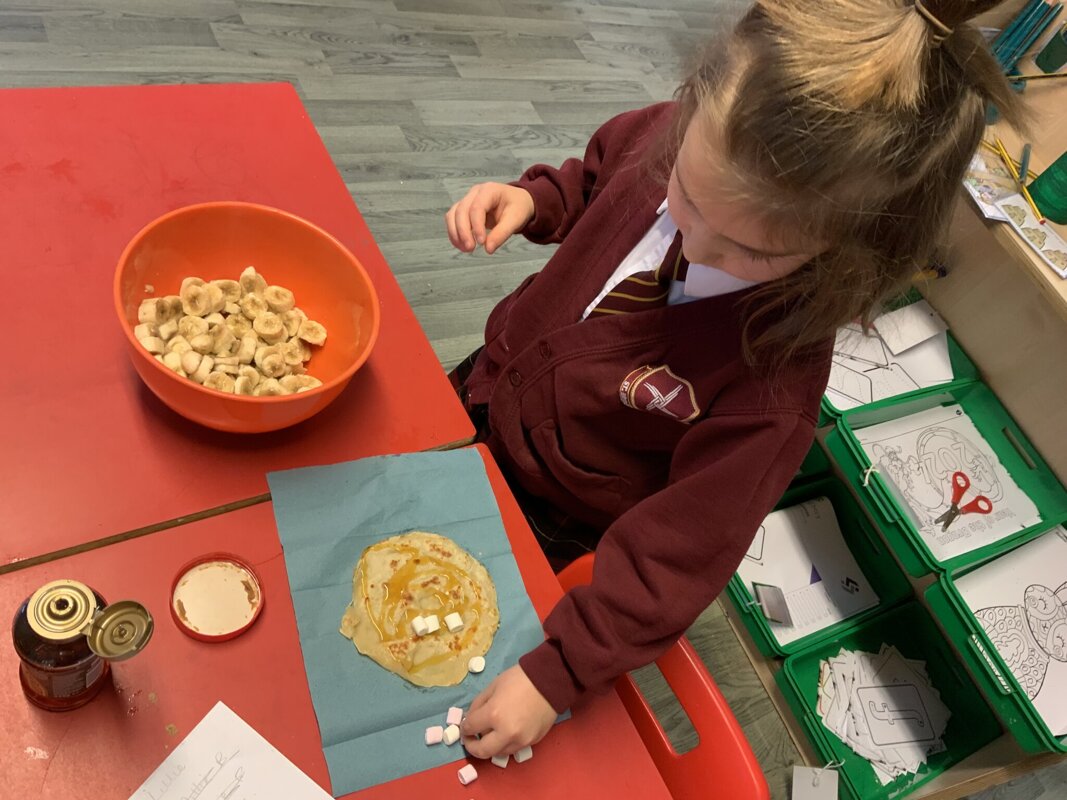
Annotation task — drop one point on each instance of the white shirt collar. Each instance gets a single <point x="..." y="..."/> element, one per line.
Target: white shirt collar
<point x="703" y="280"/>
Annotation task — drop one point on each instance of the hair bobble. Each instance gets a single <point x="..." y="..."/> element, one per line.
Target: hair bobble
<point x="941" y="31"/>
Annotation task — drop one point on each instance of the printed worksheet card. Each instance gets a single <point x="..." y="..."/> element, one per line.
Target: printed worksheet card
<point x="801" y="551"/>
<point x="988" y="182"/>
<point x="917" y="456"/>
<point x="864" y="368"/>
<point x="1043" y="239"/>
<point x="1019" y="600"/>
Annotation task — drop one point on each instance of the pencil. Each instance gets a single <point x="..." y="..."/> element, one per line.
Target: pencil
<point x="1015" y="78"/>
<point x="1014" y="173"/>
<point x="992" y="148"/>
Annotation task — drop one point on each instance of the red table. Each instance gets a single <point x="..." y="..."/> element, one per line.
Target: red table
<point x="88" y="452"/>
<point x="106" y="749"/>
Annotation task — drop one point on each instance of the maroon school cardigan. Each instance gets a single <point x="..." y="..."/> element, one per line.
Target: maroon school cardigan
<point x="649" y="424"/>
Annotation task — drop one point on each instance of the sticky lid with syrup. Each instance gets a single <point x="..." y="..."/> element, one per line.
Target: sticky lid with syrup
<point x="216" y="597"/>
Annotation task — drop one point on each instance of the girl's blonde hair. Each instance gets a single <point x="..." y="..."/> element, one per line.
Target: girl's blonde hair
<point x="853" y="122"/>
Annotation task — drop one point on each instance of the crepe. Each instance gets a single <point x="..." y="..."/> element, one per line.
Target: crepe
<point x="419" y="574"/>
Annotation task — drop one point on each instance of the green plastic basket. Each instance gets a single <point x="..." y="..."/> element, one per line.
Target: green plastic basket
<point x="816" y="465"/>
<point x="1011" y="446"/>
<point x="870" y="552"/>
<point x="963" y="370"/>
<point x="910" y="629"/>
<point x="989" y="670"/>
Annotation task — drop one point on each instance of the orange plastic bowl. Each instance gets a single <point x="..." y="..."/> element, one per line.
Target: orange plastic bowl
<point x="218" y="240"/>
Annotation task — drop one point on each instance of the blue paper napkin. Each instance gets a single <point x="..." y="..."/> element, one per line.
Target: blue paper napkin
<point x="372" y="721"/>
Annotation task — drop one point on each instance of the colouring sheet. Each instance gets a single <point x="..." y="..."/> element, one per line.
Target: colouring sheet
<point x="864" y="368"/>
<point x="801" y="551"/>
<point x="916" y="457"/>
<point x="884" y="708"/>
<point x="1019" y="599"/>
<point x="1042" y="238"/>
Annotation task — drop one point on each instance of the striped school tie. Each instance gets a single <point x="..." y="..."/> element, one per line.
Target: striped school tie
<point x="648" y="289"/>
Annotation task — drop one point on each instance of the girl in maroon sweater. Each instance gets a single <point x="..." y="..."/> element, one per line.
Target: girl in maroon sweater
<point x="652" y="391"/>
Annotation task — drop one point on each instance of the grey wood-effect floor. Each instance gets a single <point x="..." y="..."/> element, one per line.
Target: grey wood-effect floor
<point x="416" y="100"/>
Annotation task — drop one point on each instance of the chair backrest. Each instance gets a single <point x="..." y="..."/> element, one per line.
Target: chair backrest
<point x="722" y="764"/>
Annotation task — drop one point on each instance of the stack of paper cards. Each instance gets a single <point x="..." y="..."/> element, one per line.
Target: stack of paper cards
<point x="917" y="455"/>
<point x="988" y="181"/>
<point x="1019" y="600"/>
<point x="884" y="708"/>
<point x="801" y="552"/>
<point x="907" y="350"/>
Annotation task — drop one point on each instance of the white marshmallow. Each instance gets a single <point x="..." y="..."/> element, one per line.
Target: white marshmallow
<point x="524" y="755"/>
<point x="476" y="664"/>
<point x="454" y="622"/>
<point x="467" y="773"/>
<point x="419" y="626"/>
<point x="500" y="761"/>
<point x="451" y="735"/>
<point x="455" y="716"/>
<point x="434" y="734"/>
<point x="433" y="624"/>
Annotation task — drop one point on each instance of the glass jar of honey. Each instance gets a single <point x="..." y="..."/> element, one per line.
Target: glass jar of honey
<point x="65" y="634"/>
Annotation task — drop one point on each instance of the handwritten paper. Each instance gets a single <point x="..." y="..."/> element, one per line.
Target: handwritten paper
<point x="223" y="758"/>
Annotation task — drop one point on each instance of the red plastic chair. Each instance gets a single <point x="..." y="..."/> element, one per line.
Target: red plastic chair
<point x="722" y="764"/>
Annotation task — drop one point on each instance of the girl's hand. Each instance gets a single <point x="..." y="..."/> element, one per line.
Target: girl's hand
<point x="507" y="716"/>
<point x="503" y="209"/>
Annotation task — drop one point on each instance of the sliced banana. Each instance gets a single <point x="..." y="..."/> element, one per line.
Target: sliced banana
<point x="220" y="382"/>
<point x="146" y="312"/>
<point x="173" y="360"/>
<point x="224" y="342"/>
<point x="269" y="388"/>
<point x="190" y="326"/>
<point x="196" y="300"/>
<point x="247" y="349"/>
<point x="178" y="344"/>
<point x="293" y="352"/>
<point x="231" y="290"/>
<point x="215" y="318"/>
<point x="292" y="319"/>
<point x="191" y="361"/>
<point x="279" y="299"/>
<point x="295" y="383"/>
<point x="204" y="370"/>
<point x="231" y="308"/>
<point x="168" y="308"/>
<point x="186" y="282"/>
<point x="270" y="327"/>
<point x="271" y="362"/>
<point x="168" y="329"/>
<point x="252" y="282"/>
<point x="227" y="369"/>
<point x="252" y="305"/>
<point x="252" y="374"/>
<point x="155" y="345"/>
<point x="144" y="330"/>
<point x="312" y="332"/>
<point x="204" y="343"/>
<point x="242" y="385"/>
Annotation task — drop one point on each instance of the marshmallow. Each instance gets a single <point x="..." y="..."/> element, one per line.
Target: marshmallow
<point x="500" y="761"/>
<point x="467" y="773"/>
<point x="524" y="755"/>
<point x="476" y="664"/>
<point x="419" y="626"/>
<point x="454" y="622"/>
<point x="455" y="716"/>
<point x="451" y="734"/>
<point x="432" y="624"/>
<point x="434" y="734"/>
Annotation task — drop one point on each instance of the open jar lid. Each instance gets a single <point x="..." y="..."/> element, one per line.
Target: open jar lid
<point x="216" y="597"/>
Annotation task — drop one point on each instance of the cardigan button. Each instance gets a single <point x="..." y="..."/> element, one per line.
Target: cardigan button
<point x="515" y="377"/>
<point x="545" y="350"/>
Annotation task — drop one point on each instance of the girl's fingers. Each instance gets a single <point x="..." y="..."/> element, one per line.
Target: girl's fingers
<point x="511" y="219"/>
<point x="489" y="745"/>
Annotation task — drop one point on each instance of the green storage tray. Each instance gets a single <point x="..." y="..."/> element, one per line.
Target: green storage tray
<point x="1010" y="444"/>
<point x="910" y="629"/>
<point x="964" y="370"/>
<point x="990" y="672"/>
<point x="870" y="553"/>
<point x="816" y="464"/>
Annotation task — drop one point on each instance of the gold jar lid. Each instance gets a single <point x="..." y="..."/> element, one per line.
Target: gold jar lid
<point x="120" y="631"/>
<point x="61" y="610"/>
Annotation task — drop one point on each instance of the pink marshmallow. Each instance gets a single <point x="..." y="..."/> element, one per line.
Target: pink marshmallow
<point x="434" y="734"/>
<point x="467" y="773"/>
<point x="455" y="716"/>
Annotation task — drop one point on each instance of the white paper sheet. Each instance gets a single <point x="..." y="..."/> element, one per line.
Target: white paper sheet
<point x="864" y="369"/>
<point x="801" y="551"/>
<point x="1043" y="239"/>
<point x="916" y="457"/>
<point x="1019" y="600"/>
<point x="908" y="326"/>
<point x="223" y="758"/>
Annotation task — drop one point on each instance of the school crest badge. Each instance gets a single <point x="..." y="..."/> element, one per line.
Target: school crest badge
<point x="660" y="391"/>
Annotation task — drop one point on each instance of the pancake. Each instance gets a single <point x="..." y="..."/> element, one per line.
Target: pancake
<point x="419" y="574"/>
